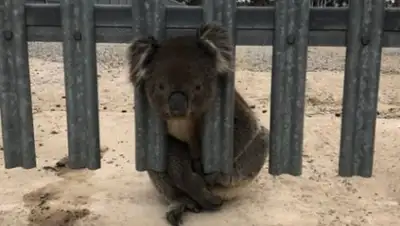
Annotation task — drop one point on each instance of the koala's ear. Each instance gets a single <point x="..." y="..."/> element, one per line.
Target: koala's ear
<point x="215" y="40"/>
<point x="139" y="55"/>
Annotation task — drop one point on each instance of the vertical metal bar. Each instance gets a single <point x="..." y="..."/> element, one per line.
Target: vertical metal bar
<point x="288" y="86"/>
<point x="156" y="152"/>
<point x="139" y="27"/>
<point x="361" y="85"/>
<point x="218" y="132"/>
<point x="212" y="137"/>
<point x="211" y="9"/>
<point x="16" y="101"/>
<point x="149" y="19"/>
<point x="81" y="83"/>
<point x="228" y="92"/>
<point x="91" y="90"/>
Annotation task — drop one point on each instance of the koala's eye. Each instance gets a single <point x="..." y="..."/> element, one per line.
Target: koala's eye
<point x="161" y="86"/>
<point x="198" y="87"/>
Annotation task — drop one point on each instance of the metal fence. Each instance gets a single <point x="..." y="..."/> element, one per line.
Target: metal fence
<point x="313" y="3"/>
<point x="364" y="28"/>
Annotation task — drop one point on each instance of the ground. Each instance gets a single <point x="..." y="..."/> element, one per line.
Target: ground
<point x="118" y="195"/>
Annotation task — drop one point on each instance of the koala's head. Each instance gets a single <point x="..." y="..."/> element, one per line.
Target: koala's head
<point x="180" y="74"/>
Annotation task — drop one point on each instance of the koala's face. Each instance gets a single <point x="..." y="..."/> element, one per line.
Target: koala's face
<point x="180" y="75"/>
<point x="181" y="78"/>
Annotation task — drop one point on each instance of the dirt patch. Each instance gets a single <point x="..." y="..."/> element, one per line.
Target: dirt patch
<point x="47" y="217"/>
<point x="44" y="213"/>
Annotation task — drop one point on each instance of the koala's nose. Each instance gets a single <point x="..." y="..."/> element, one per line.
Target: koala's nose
<point x="178" y="103"/>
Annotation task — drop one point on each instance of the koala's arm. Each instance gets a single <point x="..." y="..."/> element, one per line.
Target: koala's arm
<point x="195" y="155"/>
<point x="180" y="171"/>
<point x="183" y="189"/>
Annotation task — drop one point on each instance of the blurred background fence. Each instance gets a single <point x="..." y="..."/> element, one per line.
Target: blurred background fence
<point x="313" y="3"/>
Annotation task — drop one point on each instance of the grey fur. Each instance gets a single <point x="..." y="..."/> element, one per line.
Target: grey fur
<point x="184" y="64"/>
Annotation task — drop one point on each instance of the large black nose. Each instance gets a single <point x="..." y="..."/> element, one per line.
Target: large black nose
<point x="178" y="103"/>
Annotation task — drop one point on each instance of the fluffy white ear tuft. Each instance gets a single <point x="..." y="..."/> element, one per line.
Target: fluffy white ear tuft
<point x="216" y="39"/>
<point x="139" y="55"/>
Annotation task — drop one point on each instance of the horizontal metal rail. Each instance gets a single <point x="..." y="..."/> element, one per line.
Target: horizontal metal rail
<point x="255" y="25"/>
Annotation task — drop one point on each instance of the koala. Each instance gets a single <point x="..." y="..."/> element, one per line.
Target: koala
<point x="180" y="78"/>
<point x="182" y="87"/>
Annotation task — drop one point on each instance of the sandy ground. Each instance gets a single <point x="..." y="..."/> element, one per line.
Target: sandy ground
<point x="118" y="195"/>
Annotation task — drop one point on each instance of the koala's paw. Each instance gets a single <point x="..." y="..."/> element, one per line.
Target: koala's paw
<point x="197" y="190"/>
<point x="174" y="215"/>
<point x="177" y="208"/>
<point x="191" y="205"/>
<point x="212" y="202"/>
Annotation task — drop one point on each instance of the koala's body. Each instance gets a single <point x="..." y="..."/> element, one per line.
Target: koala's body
<point x="251" y="146"/>
<point x="180" y="78"/>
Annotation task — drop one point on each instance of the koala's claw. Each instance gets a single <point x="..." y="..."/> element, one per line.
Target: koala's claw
<point x="193" y="207"/>
<point x="174" y="216"/>
<point x="176" y="210"/>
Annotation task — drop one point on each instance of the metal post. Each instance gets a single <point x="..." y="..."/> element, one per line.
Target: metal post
<point x="150" y="131"/>
<point x="288" y="86"/>
<point x="361" y="85"/>
<point x="218" y="132"/>
<point x="80" y="68"/>
<point x="15" y="101"/>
